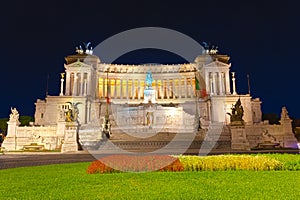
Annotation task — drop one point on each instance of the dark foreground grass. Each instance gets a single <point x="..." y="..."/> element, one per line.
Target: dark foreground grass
<point x="70" y="181"/>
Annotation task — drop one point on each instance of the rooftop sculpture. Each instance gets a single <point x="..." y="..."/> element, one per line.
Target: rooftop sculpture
<point x="209" y="49"/>
<point x="88" y="49"/>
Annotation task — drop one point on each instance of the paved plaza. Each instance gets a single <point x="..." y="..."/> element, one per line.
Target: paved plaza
<point x="13" y="160"/>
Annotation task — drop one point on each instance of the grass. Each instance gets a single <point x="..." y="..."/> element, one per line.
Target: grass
<point x="70" y="181"/>
<point x="290" y="161"/>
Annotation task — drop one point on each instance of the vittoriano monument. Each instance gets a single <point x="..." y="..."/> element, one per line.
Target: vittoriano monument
<point x="150" y="102"/>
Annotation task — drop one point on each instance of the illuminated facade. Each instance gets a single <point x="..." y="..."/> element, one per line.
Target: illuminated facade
<point x="187" y="96"/>
<point x="91" y="82"/>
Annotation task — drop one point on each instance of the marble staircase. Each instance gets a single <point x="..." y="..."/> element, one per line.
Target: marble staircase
<point x="213" y="140"/>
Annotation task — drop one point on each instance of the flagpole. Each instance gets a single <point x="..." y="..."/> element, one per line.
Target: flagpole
<point x="248" y="84"/>
<point x="47" y="85"/>
<point x="197" y="123"/>
<point x="106" y="117"/>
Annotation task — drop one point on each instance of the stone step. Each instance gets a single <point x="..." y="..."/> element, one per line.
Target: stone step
<point x="179" y="146"/>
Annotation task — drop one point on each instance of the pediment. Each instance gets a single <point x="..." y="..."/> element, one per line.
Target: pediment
<point x="217" y="64"/>
<point x="77" y="64"/>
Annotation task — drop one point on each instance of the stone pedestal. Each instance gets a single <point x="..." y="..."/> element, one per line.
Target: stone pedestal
<point x="149" y="95"/>
<point x="10" y="141"/>
<point x="239" y="139"/>
<point x="60" y="133"/>
<point x="289" y="140"/>
<point x="70" y="142"/>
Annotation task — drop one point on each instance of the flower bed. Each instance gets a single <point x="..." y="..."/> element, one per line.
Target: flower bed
<point x="229" y="162"/>
<point x="130" y="163"/>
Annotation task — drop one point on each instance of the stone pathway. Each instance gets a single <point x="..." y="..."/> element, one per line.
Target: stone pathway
<point x="13" y="160"/>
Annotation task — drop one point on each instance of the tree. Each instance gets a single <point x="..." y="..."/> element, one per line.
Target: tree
<point x="24" y="120"/>
<point x="3" y="125"/>
<point x="272" y="117"/>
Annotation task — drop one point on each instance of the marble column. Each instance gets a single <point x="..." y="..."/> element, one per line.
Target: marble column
<point x="207" y="84"/>
<point x="139" y="89"/>
<point x="211" y="84"/>
<point x="81" y="84"/>
<point x="89" y="84"/>
<point x="220" y="84"/>
<point x="162" y="93"/>
<point x="103" y="87"/>
<point x="185" y="87"/>
<point x="168" y="88"/>
<point x="68" y="84"/>
<point x="214" y="83"/>
<point x="115" y="89"/>
<point x="143" y="88"/>
<point x="233" y="83"/>
<point x="85" y="87"/>
<point x="75" y="85"/>
<point x="173" y="88"/>
<point x="132" y="89"/>
<point x="121" y="89"/>
<point x="62" y="85"/>
<point x="155" y="88"/>
<point x="191" y="87"/>
<point x="127" y="96"/>
<point x="227" y="82"/>
<point x="179" y="89"/>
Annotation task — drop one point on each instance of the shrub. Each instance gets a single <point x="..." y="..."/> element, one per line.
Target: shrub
<point x="99" y="167"/>
<point x="118" y="163"/>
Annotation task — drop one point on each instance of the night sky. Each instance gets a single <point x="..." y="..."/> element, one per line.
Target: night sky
<point x="261" y="37"/>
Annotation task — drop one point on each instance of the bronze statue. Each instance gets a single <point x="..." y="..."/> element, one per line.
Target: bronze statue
<point x="72" y="112"/>
<point x="237" y="112"/>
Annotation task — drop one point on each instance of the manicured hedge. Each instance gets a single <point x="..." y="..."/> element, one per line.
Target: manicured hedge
<point x="130" y="163"/>
<point x="229" y="162"/>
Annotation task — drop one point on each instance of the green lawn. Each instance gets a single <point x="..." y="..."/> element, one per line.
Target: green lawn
<point x="70" y="181"/>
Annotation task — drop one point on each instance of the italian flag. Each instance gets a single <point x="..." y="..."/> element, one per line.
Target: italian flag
<point x="200" y="86"/>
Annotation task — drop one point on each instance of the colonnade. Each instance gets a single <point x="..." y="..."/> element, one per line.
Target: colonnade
<point x="217" y="83"/>
<point x="77" y="83"/>
<point x="132" y="88"/>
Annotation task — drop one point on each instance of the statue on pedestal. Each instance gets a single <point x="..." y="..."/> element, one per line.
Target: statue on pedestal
<point x="284" y="113"/>
<point x="14" y="116"/>
<point x="149" y="93"/>
<point x="149" y="79"/>
<point x="149" y="116"/>
<point x="237" y="113"/>
<point x="72" y="112"/>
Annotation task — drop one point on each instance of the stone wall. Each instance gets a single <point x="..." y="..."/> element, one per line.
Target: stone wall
<point x="62" y="134"/>
<point x="45" y="137"/>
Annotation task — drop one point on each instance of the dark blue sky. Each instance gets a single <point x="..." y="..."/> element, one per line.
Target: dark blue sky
<point x="261" y="37"/>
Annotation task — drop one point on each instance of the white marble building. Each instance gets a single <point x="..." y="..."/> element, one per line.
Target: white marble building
<point x="87" y="81"/>
<point x="184" y="96"/>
